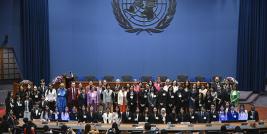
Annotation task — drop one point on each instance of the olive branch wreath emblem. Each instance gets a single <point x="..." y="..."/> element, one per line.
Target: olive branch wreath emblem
<point x="160" y="26"/>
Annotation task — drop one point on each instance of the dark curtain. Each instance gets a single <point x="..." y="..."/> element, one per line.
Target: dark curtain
<point x="251" y="51"/>
<point x="35" y="40"/>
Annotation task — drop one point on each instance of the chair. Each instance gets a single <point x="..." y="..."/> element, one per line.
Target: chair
<point x="90" y="78"/>
<point x="200" y="78"/>
<point x="146" y="78"/>
<point x="182" y="78"/>
<point x="163" y="78"/>
<point x="108" y="78"/>
<point x="127" y="78"/>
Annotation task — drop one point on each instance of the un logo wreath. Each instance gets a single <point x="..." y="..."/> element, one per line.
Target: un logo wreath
<point x="157" y="28"/>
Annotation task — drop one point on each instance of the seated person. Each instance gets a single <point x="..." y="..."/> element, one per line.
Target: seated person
<point x="213" y="114"/>
<point x="28" y="126"/>
<point x="114" y="129"/>
<point x="155" y="118"/>
<point x="137" y="117"/>
<point x="182" y="116"/>
<point x="172" y="117"/>
<point x="145" y="115"/>
<point x="222" y="114"/>
<point x="127" y="117"/>
<point x="116" y="115"/>
<point x="65" y="115"/>
<point x="91" y="115"/>
<point x="203" y="116"/>
<point x="253" y="114"/>
<point x="36" y="112"/>
<point x="74" y="114"/>
<point x="45" y="115"/>
<point x="163" y="115"/>
<point x="55" y="115"/>
<point x="82" y="115"/>
<point x="232" y="115"/>
<point x="47" y="130"/>
<point x="243" y="114"/>
<point x="147" y="129"/>
<point x="89" y="130"/>
<point x="192" y="115"/>
<point x="107" y="116"/>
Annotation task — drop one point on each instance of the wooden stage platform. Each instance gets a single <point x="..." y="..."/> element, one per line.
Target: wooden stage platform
<point x="173" y="128"/>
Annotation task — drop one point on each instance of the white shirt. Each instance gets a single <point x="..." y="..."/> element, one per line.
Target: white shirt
<point x="166" y="88"/>
<point x="107" y="118"/>
<point x="51" y="95"/>
<point x="65" y="116"/>
<point x="175" y="89"/>
<point x="243" y="115"/>
<point x="120" y="97"/>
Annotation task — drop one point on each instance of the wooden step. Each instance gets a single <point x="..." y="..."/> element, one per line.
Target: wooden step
<point x="251" y="99"/>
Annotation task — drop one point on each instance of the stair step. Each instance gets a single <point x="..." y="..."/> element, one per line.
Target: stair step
<point x="244" y="95"/>
<point x="251" y="99"/>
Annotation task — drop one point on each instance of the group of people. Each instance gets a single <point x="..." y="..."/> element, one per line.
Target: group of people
<point x="153" y="102"/>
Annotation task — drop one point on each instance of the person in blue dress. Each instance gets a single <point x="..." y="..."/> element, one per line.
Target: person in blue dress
<point x="232" y="115"/>
<point x="222" y="114"/>
<point x="61" y="98"/>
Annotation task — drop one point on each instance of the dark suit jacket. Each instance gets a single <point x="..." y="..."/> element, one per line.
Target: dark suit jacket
<point x="203" y="118"/>
<point x="214" y="116"/>
<point x="139" y="119"/>
<point x="82" y="116"/>
<point x="127" y="119"/>
<point x="253" y="115"/>
<point x="232" y="117"/>
<point x="155" y="119"/>
<point x="82" y="100"/>
<point x="91" y="117"/>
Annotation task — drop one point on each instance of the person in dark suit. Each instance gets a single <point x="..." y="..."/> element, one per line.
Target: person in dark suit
<point x="155" y="118"/>
<point x="36" y="113"/>
<point x="145" y="115"/>
<point x="99" y="113"/>
<point x="208" y="100"/>
<point x="232" y="115"/>
<point x="171" y="98"/>
<point x="162" y="98"/>
<point x="182" y="116"/>
<point x="192" y="115"/>
<point x="203" y="116"/>
<point x="127" y="117"/>
<point x="172" y="117"/>
<point x="35" y="95"/>
<point x="72" y="94"/>
<point x="42" y="89"/>
<point x="82" y="115"/>
<point x="82" y="100"/>
<point x="253" y="114"/>
<point x="152" y="98"/>
<point x="18" y="108"/>
<point x="179" y="98"/>
<point x="143" y="98"/>
<point x="214" y="116"/>
<point x="131" y="99"/>
<point x="137" y="116"/>
<point x="73" y="114"/>
<point x="91" y="115"/>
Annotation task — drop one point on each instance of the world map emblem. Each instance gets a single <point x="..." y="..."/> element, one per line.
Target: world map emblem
<point x="151" y="16"/>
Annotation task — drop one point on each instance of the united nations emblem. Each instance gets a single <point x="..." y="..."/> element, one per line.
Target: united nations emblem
<point x="151" y="16"/>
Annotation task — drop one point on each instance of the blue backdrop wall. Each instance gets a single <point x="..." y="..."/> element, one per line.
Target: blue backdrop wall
<point x="10" y="24"/>
<point x="85" y="38"/>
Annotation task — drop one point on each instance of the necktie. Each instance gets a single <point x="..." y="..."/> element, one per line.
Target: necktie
<point x="72" y="93"/>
